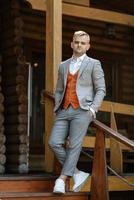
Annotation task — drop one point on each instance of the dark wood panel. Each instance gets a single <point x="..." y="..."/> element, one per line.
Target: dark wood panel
<point x="115" y="5"/>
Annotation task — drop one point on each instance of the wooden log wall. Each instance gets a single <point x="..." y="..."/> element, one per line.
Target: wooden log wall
<point x="105" y="37"/>
<point x="126" y="93"/>
<point x="34" y="24"/>
<point x="15" y="86"/>
<point x="2" y="134"/>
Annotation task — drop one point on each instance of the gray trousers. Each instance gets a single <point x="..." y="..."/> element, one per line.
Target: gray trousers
<point x="73" y="123"/>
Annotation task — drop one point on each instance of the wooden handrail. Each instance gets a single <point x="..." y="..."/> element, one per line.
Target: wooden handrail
<point x="113" y="134"/>
<point x="48" y="95"/>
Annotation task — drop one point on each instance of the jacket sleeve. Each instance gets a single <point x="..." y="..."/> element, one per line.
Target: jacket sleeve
<point x="59" y="86"/>
<point x="99" y="85"/>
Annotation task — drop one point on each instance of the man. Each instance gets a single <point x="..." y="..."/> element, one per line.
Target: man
<point x="79" y="93"/>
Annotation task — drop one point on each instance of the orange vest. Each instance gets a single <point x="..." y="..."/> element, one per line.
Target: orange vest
<point x="70" y="97"/>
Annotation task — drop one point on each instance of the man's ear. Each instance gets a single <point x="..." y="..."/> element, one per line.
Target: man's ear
<point x="72" y="45"/>
<point x="88" y="47"/>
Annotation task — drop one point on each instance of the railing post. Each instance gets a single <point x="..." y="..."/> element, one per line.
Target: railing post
<point x="99" y="185"/>
<point x="116" y="160"/>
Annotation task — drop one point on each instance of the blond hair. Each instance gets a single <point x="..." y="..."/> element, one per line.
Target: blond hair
<point x="81" y="33"/>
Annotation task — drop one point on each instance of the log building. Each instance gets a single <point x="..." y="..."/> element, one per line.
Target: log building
<point x="34" y="37"/>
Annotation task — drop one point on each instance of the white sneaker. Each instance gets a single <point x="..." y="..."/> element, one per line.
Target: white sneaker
<point x="59" y="186"/>
<point x="79" y="180"/>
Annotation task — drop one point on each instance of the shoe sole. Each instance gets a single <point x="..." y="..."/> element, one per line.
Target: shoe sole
<point x="78" y="188"/>
<point x="58" y="192"/>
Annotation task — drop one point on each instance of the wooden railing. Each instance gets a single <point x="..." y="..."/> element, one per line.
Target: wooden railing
<point x="116" y="148"/>
<point x="99" y="178"/>
<point x="99" y="185"/>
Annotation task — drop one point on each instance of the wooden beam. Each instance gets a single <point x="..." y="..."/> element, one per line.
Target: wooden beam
<point x="78" y="2"/>
<point x="53" y="59"/>
<point x="119" y="108"/>
<point x="38" y="5"/>
<point x="89" y="142"/>
<point x="41" y="4"/>
<point x="89" y="13"/>
<point x="98" y="14"/>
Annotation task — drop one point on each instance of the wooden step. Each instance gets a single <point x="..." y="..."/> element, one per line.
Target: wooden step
<point x="114" y="183"/>
<point x="28" y="183"/>
<point x="45" y="183"/>
<point x="44" y="196"/>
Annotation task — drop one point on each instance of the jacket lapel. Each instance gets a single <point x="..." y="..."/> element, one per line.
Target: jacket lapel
<point x="83" y="65"/>
<point x="66" y="66"/>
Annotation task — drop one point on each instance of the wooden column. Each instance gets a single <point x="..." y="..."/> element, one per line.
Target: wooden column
<point x="53" y="58"/>
<point x="99" y="182"/>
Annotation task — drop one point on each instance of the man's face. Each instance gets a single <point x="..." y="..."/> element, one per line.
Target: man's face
<point x="80" y="45"/>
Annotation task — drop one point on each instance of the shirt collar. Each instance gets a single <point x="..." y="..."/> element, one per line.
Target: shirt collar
<point x="79" y="59"/>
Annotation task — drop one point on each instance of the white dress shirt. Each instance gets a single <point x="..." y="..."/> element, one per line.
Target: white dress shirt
<point x="74" y="67"/>
<point x="75" y="64"/>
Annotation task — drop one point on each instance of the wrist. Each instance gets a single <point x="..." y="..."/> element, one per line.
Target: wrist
<point x="93" y="112"/>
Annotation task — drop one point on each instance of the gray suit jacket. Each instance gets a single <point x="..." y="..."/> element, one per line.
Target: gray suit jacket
<point x="90" y="86"/>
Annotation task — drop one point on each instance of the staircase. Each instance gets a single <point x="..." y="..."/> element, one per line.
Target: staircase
<point x="39" y="187"/>
<point x="34" y="187"/>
